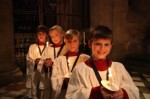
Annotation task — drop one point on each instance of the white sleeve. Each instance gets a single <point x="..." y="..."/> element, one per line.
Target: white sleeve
<point x="30" y="60"/>
<point x="57" y="77"/>
<point x="77" y="87"/>
<point x="127" y="83"/>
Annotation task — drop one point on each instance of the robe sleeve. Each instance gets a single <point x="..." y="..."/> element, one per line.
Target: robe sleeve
<point x="95" y="93"/>
<point x="57" y="77"/>
<point x="77" y="87"/>
<point x="30" y="58"/>
<point x="127" y="84"/>
<point x="125" y="95"/>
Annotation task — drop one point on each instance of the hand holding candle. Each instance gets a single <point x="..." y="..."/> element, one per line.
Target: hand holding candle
<point x="109" y="85"/>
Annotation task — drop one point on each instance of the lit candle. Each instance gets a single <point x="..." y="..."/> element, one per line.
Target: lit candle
<point x="110" y="75"/>
<point x="37" y="52"/>
<point x="69" y="62"/>
<point x="47" y="43"/>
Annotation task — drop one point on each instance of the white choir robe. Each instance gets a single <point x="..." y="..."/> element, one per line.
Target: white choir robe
<point x="34" y="75"/>
<point x="60" y="69"/>
<point x="63" y="51"/>
<point x="83" y="79"/>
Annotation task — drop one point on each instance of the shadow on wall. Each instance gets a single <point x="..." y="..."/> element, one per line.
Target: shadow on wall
<point x="146" y="40"/>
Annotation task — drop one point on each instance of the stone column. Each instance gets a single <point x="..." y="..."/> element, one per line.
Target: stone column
<point x="112" y="13"/>
<point x="8" y="70"/>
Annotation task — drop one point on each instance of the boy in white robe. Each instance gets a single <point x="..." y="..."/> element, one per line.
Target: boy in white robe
<point x="37" y="76"/>
<point x="63" y="65"/>
<point x="85" y="82"/>
<point x="57" y="48"/>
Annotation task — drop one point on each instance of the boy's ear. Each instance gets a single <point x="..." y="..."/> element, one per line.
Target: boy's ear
<point x="90" y="44"/>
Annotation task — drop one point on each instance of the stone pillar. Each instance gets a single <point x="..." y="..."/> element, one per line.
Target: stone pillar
<point x="7" y="58"/>
<point x="112" y="13"/>
<point x="101" y="12"/>
<point x="120" y="28"/>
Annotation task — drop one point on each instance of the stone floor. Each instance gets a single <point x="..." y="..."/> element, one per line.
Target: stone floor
<point x="18" y="90"/>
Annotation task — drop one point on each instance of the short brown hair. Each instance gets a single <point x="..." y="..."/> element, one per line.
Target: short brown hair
<point x="99" y="32"/>
<point x="72" y="32"/>
<point x="56" y="27"/>
<point x="42" y="28"/>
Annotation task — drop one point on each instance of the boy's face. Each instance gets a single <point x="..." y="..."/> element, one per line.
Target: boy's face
<point x="73" y="44"/>
<point x="41" y="36"/>
<point x="100" y="48"/>
<point x="56" y="37"/>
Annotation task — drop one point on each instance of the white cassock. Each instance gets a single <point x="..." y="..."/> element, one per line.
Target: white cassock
<point x="83" y="79"/>
<point x="33" y="75"/>
<point x="58" y="49"/>
<point x="60" y="70"/>
<point x="63" y="51"/>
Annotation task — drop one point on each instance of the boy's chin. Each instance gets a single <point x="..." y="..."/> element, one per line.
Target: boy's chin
<point x="100" y="57"/>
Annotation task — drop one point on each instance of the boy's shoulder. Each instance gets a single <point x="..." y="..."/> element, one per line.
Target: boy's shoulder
<point x="33" y="45"/>
<point x="117" y="65"/>
<point x="81" y="67"/>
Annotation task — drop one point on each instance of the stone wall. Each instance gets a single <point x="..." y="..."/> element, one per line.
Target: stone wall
<point x="7" y="58"/>
<point x="128" y="20"/>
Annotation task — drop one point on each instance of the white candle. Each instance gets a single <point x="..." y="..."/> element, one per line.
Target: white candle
<point x="37" y="52"/>
<point x="47" y="43"/>
<point x="110" y="75"/>
<point x="69" y="62"/>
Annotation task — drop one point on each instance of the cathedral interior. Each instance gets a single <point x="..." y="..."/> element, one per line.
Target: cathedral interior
<point x="128" y="19"/>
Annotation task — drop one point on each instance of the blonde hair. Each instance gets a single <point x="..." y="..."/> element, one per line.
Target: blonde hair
<point x="72" y="32"/>
<point x="56" y="27"/>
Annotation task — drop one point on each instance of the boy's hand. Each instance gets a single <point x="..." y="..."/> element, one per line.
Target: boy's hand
<point x="37" y="60"/>
<point x="105" y="93"/>
<point x="118" y="94"/>
<point x="48" y="62"/>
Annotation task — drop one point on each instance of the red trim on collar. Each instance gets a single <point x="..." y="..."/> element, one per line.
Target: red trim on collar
<point x="56" y="45"/>
<point x="41" y="43"/>
<point x="72" y="54"/>
<point x="101" y="65"/>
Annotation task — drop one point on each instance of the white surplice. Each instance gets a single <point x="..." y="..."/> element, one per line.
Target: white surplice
<point x="34" y="75"/>
<point x="83" y="79"/>
<point x="60" y="69"/>
<point x="63" y="51"/>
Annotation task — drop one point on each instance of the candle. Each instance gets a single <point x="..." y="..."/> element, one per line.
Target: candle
<point x="37" y="52"/>
<point x="47" y="43"/>
<point x="69" y="62"/>
<point x="110" y="75"/>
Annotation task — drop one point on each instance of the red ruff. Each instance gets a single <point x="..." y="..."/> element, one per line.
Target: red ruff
<point x="56" y="45"/>
<point x="101" y="65"/>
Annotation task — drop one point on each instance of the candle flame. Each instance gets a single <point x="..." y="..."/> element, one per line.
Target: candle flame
<point x="47" y="43"/>
<point x="110" y="75"/>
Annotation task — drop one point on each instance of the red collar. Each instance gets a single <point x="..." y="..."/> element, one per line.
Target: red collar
<point x="56" y="45"/>
<point x="41" y="43"/>
<point x="72" y="54"/>
<point x="101" y="65"/>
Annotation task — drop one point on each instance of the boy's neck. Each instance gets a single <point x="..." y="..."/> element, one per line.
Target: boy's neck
<point x="41" y="43"/>
<point x="74" y="51"/>
<point x="94" y="58"/>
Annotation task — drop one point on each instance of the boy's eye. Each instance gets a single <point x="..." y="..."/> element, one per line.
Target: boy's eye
<point x="106" y="44"/>
<point x="97" y="44"/>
